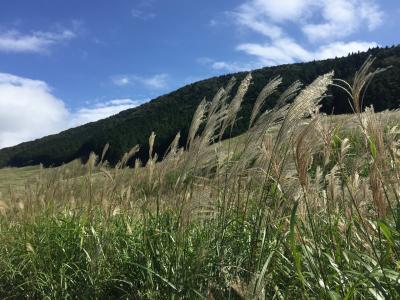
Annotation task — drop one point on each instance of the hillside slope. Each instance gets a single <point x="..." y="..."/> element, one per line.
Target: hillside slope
<point x="169" y="113"/>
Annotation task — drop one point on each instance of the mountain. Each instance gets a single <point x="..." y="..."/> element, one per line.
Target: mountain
<point x="168" y="114"/>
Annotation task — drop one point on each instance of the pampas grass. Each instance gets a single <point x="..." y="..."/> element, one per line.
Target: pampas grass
<point x="301" y="206"/>
<point x="268" y="90"/>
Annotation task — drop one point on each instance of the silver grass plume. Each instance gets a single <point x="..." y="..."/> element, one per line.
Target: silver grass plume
<point x="198" y="118"/>
<point x="217" y="112"/>
<point x="138" y="164"/>
<point x="371" y="128"/>
<point x="362" y="79"/>
<point x="234" y="106"/>
<point x="373" y="131"/>
<point x="91" y="163"/>
<point x="103" y="154"/>
<point x="304" y="104"/>
<point x="277" y="114"/>
<point x="268" y="90"/>
<point x="216" y="101"/>
<point x="289" y="93"/>
<point x="128" y="155"/>
<point x="306" y="142"/>
<point x="269" y="119"/>
<point x="152" y="159"/>
<point x="150" y="167"/>
<point x="151" y="144"/>
<point x="228" y="89"/>
<point x="214" y="122"/>
<point x="173" y="148"/>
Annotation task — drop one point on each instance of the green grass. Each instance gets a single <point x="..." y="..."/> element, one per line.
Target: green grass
<point x="64" y="256"/>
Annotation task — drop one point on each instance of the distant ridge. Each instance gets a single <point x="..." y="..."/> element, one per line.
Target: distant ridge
<point x="170" y="113"/>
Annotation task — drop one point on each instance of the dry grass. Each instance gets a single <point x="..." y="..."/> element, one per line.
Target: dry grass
<point x="15" y="178"/>
<point x="301" y="206"/>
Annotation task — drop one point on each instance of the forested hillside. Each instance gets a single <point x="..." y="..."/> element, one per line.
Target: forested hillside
<point x="169" y="113"/>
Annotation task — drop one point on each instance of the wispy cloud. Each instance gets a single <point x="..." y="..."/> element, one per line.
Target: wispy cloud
<point x="142" y="15"/>
<point x="324" y="29"/>
<point x="101" y="110"/>
<point x="157" y="81"/>
<point x="341" y="18"/>
<point x="34" y="42"/>
<point x="220" y="65"/>
<point x="29" y="110"/>
<point x="344" y="17"/>
<point x="287" y="51"/>
<point x="142" y="10"/>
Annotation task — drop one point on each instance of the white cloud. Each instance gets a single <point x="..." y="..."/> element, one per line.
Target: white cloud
<point x="325" y="28"/>
<point x="158" y="81"/>
<point x="278" y="10"/>
<point x="29" y="110"/>
<point x="341" y="18"/>
<point x="372" y="14"/>
<point x="280" y="51"/>
<point x="101" y="111"/>
<point x="249" y="16"/>
<point x="142" y="15"/>
<point x="141" y="10"/>
<point x="336" y="18"/>
<point x="220" y="65"/>
<point x="35" y="42"/>
<point x="286" y="51"/>
<point x="229" y="66"/>
<point x="341" y="49"/>
<point x="121" y="80"/>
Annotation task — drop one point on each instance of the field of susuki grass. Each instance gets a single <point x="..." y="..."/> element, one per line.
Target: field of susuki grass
<point x="300" y="206"/>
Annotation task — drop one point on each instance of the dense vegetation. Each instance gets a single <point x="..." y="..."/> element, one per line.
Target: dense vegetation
<point x="299" y="207"/>
<point x="170" y="113"/>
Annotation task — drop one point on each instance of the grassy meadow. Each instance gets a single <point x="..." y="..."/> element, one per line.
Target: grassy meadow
<point x="301" y="206"/>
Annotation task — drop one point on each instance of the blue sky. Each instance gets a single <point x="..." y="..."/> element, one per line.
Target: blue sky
<point x="65" y="63"/>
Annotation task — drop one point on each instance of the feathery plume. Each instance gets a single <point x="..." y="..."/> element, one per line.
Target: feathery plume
<point x="173" y="147"/>
<point x="151" y="144"/>
<point x="304" y="104"/>
<point x="236" y="102"/>
<point x="268" y="90"/>
<point x="198" y="118"/>
<point x="362" y="79"/>
<point x="103" y="154"/>
<point x="127" y="156"/>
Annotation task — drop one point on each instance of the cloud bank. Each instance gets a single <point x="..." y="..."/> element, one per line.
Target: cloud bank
<point x="29" y="110"/>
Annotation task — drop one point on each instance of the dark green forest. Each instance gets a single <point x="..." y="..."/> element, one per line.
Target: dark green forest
<point x="168" y="114"/>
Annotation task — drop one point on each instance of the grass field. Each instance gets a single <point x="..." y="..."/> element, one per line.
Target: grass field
<point x="14" y="178"/>
<point x="302" y="206"/>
